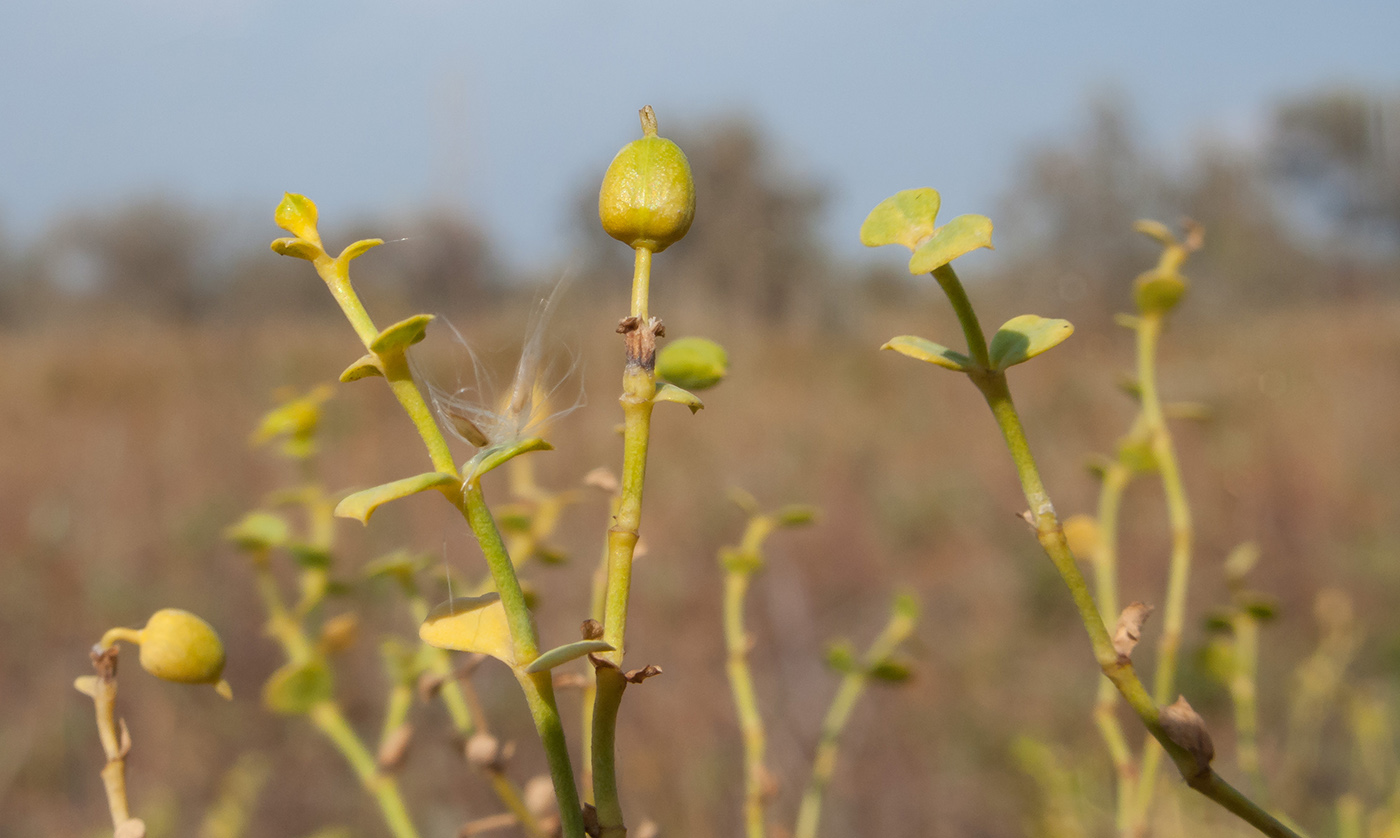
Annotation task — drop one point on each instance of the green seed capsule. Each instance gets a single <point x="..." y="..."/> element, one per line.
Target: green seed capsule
<point x="692" y="363"/>
<point x="178" y="646"/>
<point x="1158" y="291"/>
<point x="648" y="195"/>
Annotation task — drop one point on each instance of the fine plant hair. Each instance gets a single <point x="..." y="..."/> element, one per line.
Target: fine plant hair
<point x="545" y="386"/>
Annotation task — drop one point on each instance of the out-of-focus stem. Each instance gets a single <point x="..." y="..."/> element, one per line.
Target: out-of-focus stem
<point x="736" y="585"/>
<point x="853" y="683"/>
<point x="326" y="715"/>
<point x="1243" y="694"/>
<point x="1115" y="480"/>
<point x="1149" y="329"/>
<point x="327" y="718"/>
<point x="104" y="700"/>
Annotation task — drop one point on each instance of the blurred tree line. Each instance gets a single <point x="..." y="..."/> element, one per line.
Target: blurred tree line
<point x="1311" y="209"/>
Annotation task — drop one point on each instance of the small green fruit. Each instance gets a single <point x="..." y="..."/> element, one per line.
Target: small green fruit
<point x="648" y="195"/>
<point x="178" y="646"/>
<point x="1158" y="292"/>
<point x="692" y="363"/>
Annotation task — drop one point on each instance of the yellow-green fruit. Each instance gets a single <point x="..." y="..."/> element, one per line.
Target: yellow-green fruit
<point x="648" y="194"/>
<point x="178" y="646"/>
<point x="692" y="363"/>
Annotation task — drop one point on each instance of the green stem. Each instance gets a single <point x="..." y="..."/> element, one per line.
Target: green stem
<point x="962" y="306"/>
<point x="539" y="694"/>
<point x="736" y="585"/>
<point x="638" y="388"/>
<point x="824" y="763"/>
<point x="994" y="389"/>
<point x="539" y="688"/>
<point x="1149" y="329"/>
<point x="326" y="716"/>
<point x="853" y="684"/>
<point x="607" y="700"/>
<point x="524" y="641"/>
<point x="394" y="364"/>
<point x="395" y="712"/>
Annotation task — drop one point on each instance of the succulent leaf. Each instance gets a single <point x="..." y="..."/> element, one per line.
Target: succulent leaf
<point x="362" y="504"/>
<point x="1024" y="337"/>
<point x="903" y="218"/>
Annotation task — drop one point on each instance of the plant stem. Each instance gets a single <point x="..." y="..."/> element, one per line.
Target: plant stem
<point x="994" y="389"/>
<point x="539" y="694"/>
<point x="962" y="306"/>
<point x="440" y="665"/>
<point x="524" y="641"/>
<point x="1244" y="696"/>
<point x="736" y="585"/>
<point x="1115" y="480"/>
<point x="853" y="684"/>
<point x="1149" y="329"/>
<point x="394" y="364"/>
<point x="638" y="388"/>
<point x="509" y="796"/>
<point x="326" y="716"/>
<point x="824" y="763"/>
<point x="539" y="687"/>
<point x="110" y="732"/>
<point x="607" y="700"/>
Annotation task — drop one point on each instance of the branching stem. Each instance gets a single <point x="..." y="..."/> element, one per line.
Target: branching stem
<point x="994" y="389"/>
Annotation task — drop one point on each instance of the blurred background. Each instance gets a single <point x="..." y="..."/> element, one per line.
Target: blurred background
<point x="146" y="326"/>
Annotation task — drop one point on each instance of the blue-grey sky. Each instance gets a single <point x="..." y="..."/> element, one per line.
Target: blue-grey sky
<point x="508" y="109"/>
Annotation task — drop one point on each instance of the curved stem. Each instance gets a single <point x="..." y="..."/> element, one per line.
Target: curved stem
<point x="109" y="732"/>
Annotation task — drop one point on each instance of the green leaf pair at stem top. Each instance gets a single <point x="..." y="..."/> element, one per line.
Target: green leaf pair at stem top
<point x="907" y="218"/>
